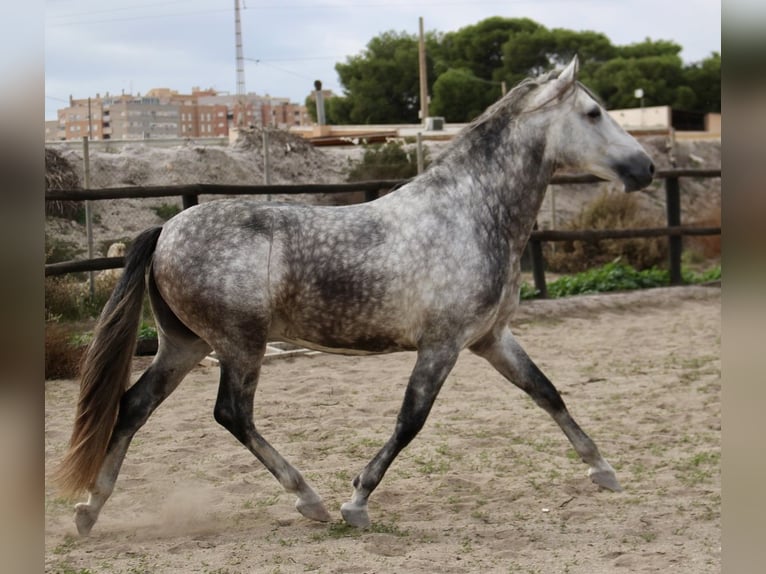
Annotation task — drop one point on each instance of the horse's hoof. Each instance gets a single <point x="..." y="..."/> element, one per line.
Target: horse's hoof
<point x="606" y="479"/>
<point x="313" y="510"/>
<point x="355" y="515"/>
<point x="84" y="518"/>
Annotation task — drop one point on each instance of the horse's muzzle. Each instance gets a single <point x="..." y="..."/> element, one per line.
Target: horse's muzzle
<point x="637" y="172"/>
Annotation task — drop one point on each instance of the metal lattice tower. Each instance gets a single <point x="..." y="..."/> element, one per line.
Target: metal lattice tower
<point x="241" y="94"/>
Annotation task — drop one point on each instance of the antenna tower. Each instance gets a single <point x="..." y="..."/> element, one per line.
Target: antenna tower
<point x="241" y="94"/>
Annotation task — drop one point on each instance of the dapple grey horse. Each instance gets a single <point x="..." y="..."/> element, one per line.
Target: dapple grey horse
<point x="432" y="267"/>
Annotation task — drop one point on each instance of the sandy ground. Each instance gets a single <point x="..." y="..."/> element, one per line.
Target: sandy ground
<point x="490" y="485"/>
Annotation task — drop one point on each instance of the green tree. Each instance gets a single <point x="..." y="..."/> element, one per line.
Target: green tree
<point x="382" y="84"/>
<point x="649" y="48"/>
<point x="704" y="79"/>
<point x="479" y="47"/>
<point x="466" y="67"/>
<point x="659" y="77"/>
<point x="527" y="54"/>
<point x="541" y="50"/>
<point x="685" y="99"/>
<point x="338" y="110"/>
<point x="460" y="96"/>
<point x="311" y="107"/>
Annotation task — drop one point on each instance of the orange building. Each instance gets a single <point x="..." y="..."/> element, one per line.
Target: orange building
<point x="165" y="113"/>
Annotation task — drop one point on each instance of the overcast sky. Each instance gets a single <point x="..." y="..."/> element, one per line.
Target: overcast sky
<point x="92" y="46"/>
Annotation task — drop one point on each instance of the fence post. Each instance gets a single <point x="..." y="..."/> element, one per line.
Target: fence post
<point x="538" y="266"/>
<point x="88" y="214"/>
<point x="266" y="158"/>
<point x="419" y="148"/>
<point x="188" y="200"/>
<point x="675" y="242"/>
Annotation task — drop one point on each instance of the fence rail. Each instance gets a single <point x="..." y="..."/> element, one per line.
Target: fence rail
<point x="190" y="196"/>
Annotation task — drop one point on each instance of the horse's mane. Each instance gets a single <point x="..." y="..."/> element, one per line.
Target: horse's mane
<point x="498" y="115"/>
<point x="511" y="106"/>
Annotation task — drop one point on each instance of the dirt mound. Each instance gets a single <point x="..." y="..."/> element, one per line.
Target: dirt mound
<point x="291" y="160"/>
<point x="59" y="172"/>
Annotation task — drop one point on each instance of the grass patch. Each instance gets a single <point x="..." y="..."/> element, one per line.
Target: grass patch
<point x="698" y="469"/>
<point x="338" y="530"/>
<point x="616" y="276"/>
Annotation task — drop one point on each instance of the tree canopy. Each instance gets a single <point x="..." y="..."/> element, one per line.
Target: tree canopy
<point x="466" y="69"/>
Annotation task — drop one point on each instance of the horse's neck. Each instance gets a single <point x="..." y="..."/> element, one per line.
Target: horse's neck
<point x="503" y="183"/>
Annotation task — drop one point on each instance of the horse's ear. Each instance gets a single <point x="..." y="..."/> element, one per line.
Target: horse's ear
<point x="569" y="74"/>
<point x="559" y="87"/>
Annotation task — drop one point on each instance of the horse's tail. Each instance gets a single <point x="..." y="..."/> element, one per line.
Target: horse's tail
<point x="105" y="370"/>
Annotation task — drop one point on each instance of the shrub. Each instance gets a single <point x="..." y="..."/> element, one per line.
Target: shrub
<point x="609" y="211"/>
<point x="392" y="160"/>
<point x="63" y="351"/>
<point x="68" y="298"/>
<point x="707" y="246"/>
<point x="166" y="210"/>
<point x="57" y="250"/>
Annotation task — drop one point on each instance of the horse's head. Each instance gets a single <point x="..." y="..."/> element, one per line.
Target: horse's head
<point x="583" y="136"/>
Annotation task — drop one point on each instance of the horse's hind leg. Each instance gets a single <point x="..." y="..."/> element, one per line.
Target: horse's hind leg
<point x="234" y="411"/>
<point x="172" y="362"/>
<point x="178" y="352"/>
<point x="507" y="356"/>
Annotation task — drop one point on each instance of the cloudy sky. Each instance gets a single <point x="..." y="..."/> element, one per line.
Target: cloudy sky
<point x="92" y="46"/>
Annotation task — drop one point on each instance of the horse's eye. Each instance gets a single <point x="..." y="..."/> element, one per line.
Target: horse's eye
<point x="594" y="114"/>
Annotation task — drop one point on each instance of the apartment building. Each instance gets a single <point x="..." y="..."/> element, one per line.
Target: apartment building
<point x="281" y="113"/>
<point x="165" y="113"/>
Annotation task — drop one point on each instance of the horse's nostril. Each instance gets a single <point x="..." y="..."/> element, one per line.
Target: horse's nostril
<point x="651" y="169"/>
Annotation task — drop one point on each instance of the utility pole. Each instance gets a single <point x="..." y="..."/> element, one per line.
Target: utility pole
<point x="241" y="95"/>
<point x="319" y="102"/>
<point x="90" y="120"/>
<point x="423" y="75"/>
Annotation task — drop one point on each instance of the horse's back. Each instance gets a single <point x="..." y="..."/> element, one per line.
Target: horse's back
<point x="302" y="273"/>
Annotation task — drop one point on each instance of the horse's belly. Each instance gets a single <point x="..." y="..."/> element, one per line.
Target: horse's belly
<point x="366" y="347"/>
<point x="340" y="332"/>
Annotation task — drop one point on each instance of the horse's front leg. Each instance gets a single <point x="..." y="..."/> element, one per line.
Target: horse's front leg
<point x="234" y="411"/>
<point x="507" y="356"/>
<point x="431" y="369"/>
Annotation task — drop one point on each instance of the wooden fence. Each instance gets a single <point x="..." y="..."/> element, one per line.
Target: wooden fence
<point x="674" y="231"/>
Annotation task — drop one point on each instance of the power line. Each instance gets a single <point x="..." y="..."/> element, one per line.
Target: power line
<point x="137" y="18"/>
<point x="81" y="17"/>
<point x="285" y="70"/>
<point x="119" y="9"/>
